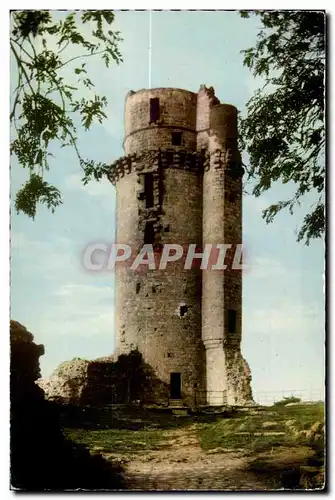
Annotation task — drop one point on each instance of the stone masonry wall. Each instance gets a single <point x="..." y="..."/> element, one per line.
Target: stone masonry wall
<point x="159" y="311"/>
<point x="172" y="315"/>
<point x="149" y="303"/>
<point x="223" y="140"/>
<point x="205" y="100"/>
<point x="177" y="113"/>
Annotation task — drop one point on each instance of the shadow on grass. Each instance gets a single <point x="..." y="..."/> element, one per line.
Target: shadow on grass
<point x="131" y="417"/>
<point x="295" y="476"/>
<point x="287" y="477"/>
<point x="295" y="468"/>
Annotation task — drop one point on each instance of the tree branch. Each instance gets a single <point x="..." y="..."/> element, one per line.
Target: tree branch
<point x="22" y="68"/>
<point x="80" y="57"/>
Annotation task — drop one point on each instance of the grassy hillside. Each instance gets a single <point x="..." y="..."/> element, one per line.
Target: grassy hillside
<point x="281" y="445"/>
<point x="266" y="428"/>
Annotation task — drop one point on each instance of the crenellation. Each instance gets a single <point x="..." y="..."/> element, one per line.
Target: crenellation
<point x="150" y="161"/>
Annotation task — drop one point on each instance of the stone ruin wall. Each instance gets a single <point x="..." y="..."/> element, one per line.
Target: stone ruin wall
<point x="223" y="224"/>
<point x="197" y="198"/>
<point x="147" y="303"/>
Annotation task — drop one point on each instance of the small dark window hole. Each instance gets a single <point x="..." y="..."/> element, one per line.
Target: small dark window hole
<point x="149" y="234"/>
<point x="183" y="310"/>
<point x="231" y="320"/>
<point x="154" y="109"/>
<point x="176" y="138"/>
<point x="149" y="190"/>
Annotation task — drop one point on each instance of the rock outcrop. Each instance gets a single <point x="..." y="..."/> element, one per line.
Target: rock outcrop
<point x="25" y="367"/>
<point x="41" y="457"/>
<point x="67" y="382"/>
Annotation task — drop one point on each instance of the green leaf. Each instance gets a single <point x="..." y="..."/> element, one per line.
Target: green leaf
<point x="35" y="191"/>
<point x="283" y="130"/>
<point x="45" y="106"/>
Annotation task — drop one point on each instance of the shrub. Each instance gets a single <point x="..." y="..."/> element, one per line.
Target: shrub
<point x="285" y="401"/>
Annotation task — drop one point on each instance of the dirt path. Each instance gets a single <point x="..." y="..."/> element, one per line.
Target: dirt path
<point x="181" y="464"/>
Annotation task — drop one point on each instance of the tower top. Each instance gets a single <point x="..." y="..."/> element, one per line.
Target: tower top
<point x="159" y="90"/>
<point x="208" y="91"/>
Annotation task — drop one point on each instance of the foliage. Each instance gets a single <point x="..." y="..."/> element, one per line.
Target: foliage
<point x="284" y="130"/>
<point x="286" y="400"/>
<point x="45" y="105"/>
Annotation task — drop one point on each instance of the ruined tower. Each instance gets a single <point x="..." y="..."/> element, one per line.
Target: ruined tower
<point x="181" y="183"/>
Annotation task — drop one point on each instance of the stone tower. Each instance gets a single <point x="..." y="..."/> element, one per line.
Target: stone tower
<point x="181" y="183"/>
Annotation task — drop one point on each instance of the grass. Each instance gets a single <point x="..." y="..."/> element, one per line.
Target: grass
<point x="273" y="427"/>
<point x="116" y="440"/>
<point x="254" y="431"/>
<point x="291" y="459"/>
<point x="284" y="444"/>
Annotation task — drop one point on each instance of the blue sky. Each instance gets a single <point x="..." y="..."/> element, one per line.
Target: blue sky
<point x="71" y="311"/>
